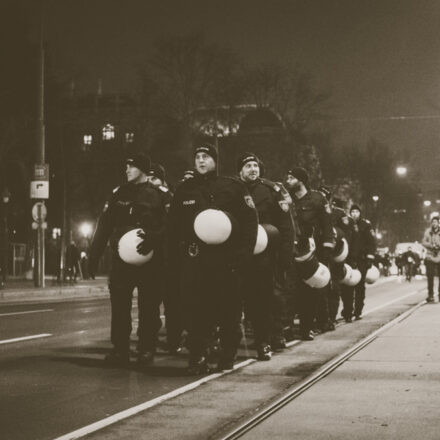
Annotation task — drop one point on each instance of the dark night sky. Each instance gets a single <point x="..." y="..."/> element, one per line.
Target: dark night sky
<point x="380" y="58"/>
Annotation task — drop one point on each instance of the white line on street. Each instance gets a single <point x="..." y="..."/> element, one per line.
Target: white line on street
<point x="148" y="404"/>
<point x="25" y="338"/>
<point x="392" y="302"/>
<point x="26" y="312"/>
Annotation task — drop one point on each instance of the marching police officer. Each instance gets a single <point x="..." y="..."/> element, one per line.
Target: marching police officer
<point x="274" y="247"/>
<point x="133" y="220"/>
<point x="345" y="227"/>
<point x="361" y="257"/>
<point x="212" y="234"/>
<point x="313" y="215"/>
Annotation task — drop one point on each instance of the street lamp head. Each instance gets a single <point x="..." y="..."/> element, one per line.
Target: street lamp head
<point x="401" y="170"/>
<point x="375" y="198"/>
<point x="85" y="229"/>
<point x="427" y="203"/>
<point x="5" y="195"/>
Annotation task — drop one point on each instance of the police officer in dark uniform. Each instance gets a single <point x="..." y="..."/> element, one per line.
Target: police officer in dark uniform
<point x="170" y="293"/>
<point x="313" y="215"/>
<point x="212" y="234"/>
<point x="361" y="257"/>
<point x="258" y="278"/>
<point x="345" y="227"/>
<point x="134" y="205"/>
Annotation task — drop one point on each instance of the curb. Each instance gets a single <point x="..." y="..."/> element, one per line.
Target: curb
<point x="53" y="293"/>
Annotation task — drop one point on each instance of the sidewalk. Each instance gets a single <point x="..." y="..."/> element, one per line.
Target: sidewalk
<point x="24" y="290"/>
<point x="388" y="390"/>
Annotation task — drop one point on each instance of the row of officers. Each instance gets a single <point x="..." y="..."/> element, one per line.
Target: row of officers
<point x="222" y="248"/>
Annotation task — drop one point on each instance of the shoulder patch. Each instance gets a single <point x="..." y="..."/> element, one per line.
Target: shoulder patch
<point x="327" y="208"/>
<point x="249" y="201"/>
<point x="116" y="189"/>
<point x="284" y="205"/>
<point x="163" y="188"/>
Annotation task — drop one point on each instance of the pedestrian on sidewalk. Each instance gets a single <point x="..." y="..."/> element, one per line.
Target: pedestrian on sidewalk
<point x="72" y="262"/>
<point x="431" y="241"/>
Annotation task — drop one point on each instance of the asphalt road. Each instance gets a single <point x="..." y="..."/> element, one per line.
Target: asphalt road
<point x="56" y="382"/>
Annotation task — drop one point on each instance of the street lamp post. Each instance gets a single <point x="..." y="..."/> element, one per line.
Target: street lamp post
<point x="5" y="201"/>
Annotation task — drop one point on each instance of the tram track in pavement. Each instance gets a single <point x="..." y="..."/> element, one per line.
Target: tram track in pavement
<point x="266" y="412"/>
<point x="276" y="377"/>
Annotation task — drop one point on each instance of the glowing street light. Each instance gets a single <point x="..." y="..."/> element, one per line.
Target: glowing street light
<point x="86" y="229"/>
<point x="401" y="171"/>
<point x="375" y="198"/>
<point x="427" y="203"/>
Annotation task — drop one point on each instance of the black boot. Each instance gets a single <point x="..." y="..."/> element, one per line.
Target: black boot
<point x="197" y="365"/>
<point x="145" y="357"/>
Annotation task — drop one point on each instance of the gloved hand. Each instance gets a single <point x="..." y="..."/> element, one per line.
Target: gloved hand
<point x="370" y="261"/>
<point x="146" y="245"/>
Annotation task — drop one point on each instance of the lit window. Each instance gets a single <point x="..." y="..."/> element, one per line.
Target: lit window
<point x="129" y="138"/>
<point x="108" y="132"/>
<point x="87" y="139"/>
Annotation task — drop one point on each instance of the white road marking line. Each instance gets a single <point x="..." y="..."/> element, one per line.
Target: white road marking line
<point x="25" y="338"/>
<point x="26" y="312"/>
<point x="392" y="302"/>
<point x="148" y="404"/>
<point x="86" y="430"/>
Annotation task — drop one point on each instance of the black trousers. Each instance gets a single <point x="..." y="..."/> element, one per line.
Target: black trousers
<point x="257" y="287"/>
<point x="124" y="278"/>
<point x="353" y="298"/>
<point x="172" y="305"/>
<point x="313" y="307"/>
<point x="333" y="299"/>
<point x="432" y="269"/>
<point x="210" y="298"/>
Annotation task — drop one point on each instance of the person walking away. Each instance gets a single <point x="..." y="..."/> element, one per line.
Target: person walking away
<point x="431" y="241"/>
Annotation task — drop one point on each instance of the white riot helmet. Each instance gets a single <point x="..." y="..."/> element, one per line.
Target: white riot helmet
<point x="212" y="226"/>
<point x="320" y="278"/>
<point x="341" y="248"/>
<point x="267" y="236"/>
<point x="314" y="273"/>
<point x="351" y="277"/>
<point x="305" y="250"/>
<point x="127" y="248"/>
<point x="372" y="275"/>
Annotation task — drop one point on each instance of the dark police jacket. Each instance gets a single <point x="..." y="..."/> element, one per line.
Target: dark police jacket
<point x="344" y="222"/>
<point x="274" y="209"/>
<point x="217" y="192"/>
<point x="313" y="215"/>
<point x="363" y="243"/>
<point x="131" y="206"/>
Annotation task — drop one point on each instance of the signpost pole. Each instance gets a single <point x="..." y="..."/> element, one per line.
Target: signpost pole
<point x="40" y="185"/>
